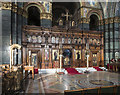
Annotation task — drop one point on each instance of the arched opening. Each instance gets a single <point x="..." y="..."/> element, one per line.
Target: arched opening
<point x="94" y="22"/>
<point x="33" y="16"/>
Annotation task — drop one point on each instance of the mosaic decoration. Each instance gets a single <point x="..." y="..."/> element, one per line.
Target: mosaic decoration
<point x="92" y="2"/>
<point x="85" y="12"/>
<point x="47" y="6"/>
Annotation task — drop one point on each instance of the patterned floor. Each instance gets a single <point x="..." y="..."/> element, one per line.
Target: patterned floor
<point x="53" y="83"/>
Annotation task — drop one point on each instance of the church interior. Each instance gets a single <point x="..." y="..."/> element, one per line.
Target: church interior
<point x="57" y="48"/>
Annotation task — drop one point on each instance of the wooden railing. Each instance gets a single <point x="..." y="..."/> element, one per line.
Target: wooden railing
<point x="105" y="90"/>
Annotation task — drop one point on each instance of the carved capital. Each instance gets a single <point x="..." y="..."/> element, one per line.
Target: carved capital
<point x="6" y="5"/>
<point x="46" y="16"/>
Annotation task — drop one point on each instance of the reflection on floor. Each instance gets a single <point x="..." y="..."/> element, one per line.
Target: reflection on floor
<point x="53" y="83"/>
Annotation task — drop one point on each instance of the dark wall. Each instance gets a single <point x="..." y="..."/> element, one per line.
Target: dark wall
<point x="6" y="30"/>
<point x="12" y="23"/>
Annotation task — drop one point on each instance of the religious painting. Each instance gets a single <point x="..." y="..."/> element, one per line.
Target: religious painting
<point x="77" y="54"/>
<point x="98" y="42"/>
<point x="73" y="23"/>
<point x="67" y="55"/>
<point x="43" y="39"/>
<point x="66" y="40"/>
<point x="46" y="54"/>
<point x="49" y="39"/>
<point x="55" y="55"/>
<point x="39" y="39"/>
<point x="63" y="40"/>
<point x="29" y="38"/>
<point x="53" y="39"/>
<point x="67" y="61"/>
<point x="90" y="41"/>
<point x="75" y="40"/>
<point x="79" y="41"/>
<point x="47" y="7"/>
<point x="57" y="40"/>
<point x="34" y="59"/>
<point x="34" y="39"/>
<point x="94" y="59"/>
<point x="69" y="40"/>
<point x="84" y="12"/>
<point x="60" y="22"/>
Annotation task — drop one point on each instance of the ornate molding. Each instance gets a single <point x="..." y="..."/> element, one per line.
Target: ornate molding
<point x="14" y="8"/>
<point x="46" y="16"/>
<point x="6" y="5"/>
<point x="112" y="20"/>
<point x="101" y="22"/>
<point x="117" y="19"/>
<point x="106" y="21"/>
<point x="84" y="20"/>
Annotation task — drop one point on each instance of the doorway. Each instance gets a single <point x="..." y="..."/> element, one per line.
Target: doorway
<point x="67" y="57"/>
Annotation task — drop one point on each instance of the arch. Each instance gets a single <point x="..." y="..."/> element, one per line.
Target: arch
<point x="15" y="46"/>
<point x="33" y="16"/>
<point x="38" y="5"/>
<point x="96" y="12"/>
<point x="94" y="22"/>
<point x="11" y="52"/>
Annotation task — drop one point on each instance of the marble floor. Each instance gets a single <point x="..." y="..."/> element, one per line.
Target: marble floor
<point x="54" y="83"/>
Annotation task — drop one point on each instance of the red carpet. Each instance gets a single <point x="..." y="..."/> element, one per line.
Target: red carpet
<point x="72" y="71"/>
<point x="98" y="69"/>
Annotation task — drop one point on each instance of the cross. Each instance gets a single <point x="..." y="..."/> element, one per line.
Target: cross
<point x="67" y="15"/>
